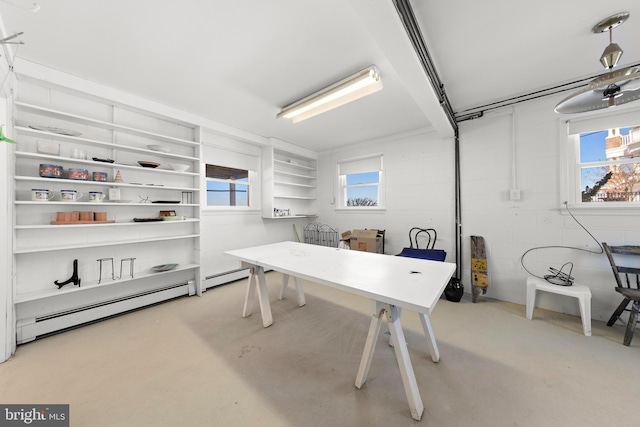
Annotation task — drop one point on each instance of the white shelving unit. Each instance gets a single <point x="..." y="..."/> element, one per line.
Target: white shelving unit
<point x="288" y="181"/>
<point x="44" y="249"/>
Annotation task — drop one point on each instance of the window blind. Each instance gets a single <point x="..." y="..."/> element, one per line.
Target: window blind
<point x="360" y="165"/>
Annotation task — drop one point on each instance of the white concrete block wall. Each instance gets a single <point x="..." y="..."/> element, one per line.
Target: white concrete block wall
<point x="419" y="173"/>
<point x="224" y="231"/>
<point x="419" y="190"/>
<point x="513" y="227"/>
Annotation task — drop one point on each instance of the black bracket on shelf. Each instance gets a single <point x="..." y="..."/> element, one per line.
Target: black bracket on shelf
<point x="73" y="279"/>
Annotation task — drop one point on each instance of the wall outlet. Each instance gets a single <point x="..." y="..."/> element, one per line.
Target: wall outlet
<point x="514" y="195"/>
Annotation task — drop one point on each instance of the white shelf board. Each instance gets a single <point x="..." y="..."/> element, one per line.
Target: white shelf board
<point x="294" y="175"/>
<point x="293" y="165"/>
<point x="293" y="184"/>
<point x="110" y="224"/>
<point x="50" y="112"/>
<point x="291" y="217"/>
<point x="99" y="183"/>
<point x="102" y="244"/>
<point x="94" y="163"/>
<point x="84" y="286"/>
<point x="29" y="202"/>
<point x="95" y="142"/>
<point x="294" y="197"/>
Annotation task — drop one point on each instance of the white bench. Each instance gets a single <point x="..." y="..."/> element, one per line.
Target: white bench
<point x="583" y="293"/>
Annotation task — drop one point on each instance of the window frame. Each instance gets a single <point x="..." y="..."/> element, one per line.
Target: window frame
<point x="570" y="167"/>
<point x="250" y="183"/>
<point x="341" y="186"/>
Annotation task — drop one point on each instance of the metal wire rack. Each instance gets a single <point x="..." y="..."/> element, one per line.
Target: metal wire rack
<point x="321" y="234"/>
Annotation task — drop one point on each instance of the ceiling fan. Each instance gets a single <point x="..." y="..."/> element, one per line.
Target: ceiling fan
<point x="610" y="89"/>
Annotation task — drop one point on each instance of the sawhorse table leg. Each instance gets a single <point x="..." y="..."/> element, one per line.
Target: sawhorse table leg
<point x="299" y="289"/>
<point x="428" y="332"/>
<point x="431" y="338"/>
<point x="257" y="275"/>
<point x="402" y="356"/>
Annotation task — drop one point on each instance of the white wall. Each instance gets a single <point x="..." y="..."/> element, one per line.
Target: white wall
<point x="538" y="219"/>
<point x="224" y="229"/>
<point x="419" y="173"/>
<point x="7" y="326"/>
<point x="493" y="161"/>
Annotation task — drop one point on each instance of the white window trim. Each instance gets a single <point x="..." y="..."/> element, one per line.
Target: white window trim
<point x="570" y="194"/>
<point x="341" y="183"/>
<point x="252" y="196"/>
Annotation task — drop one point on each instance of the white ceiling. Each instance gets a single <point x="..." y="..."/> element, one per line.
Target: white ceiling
<point x="238" y="63"/>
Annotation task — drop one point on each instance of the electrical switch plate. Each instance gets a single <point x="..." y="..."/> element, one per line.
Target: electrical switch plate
<point x="514" y="195"/>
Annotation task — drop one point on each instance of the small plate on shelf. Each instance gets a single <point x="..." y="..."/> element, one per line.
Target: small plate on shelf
<point x="95" y="159"/>
<point x="166" y="201"/>
<point x="59" y="131"/>
<point x="163" y="267"/>
<point x="146" y="164"/>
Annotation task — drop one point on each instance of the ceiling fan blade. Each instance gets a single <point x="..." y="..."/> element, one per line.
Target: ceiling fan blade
<point x="592" y="97"/>
<point x="633" y="84"/>
<point x="582" y="101"/>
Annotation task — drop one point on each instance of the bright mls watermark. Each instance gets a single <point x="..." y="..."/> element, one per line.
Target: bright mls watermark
<point x="34" y="415"/>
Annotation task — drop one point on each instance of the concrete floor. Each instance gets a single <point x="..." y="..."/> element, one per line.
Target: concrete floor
<point x="197" y="362"/>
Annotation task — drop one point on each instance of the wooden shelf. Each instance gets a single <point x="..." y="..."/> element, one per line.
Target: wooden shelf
<point x="293" y="184"/>
<point x="103" y="244"/>
<point x="68" y="289"/>
<point x="293" y="165"/>
<point x="293" y="175"/>
<point x="100" y="183"/>
<point x="293" y="216"/>
<point x="294" y="197"/>
<point x="288" y="181"/>
<point x="94" y="163"/>
<point x="50" y="112"/>
<point x="97" y="143"/>
<point x="107" y="224"/>
<point x="110" y="130"/>
<point x="96" y="204"/>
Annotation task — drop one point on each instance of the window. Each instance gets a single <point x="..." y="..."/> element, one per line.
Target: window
<point x="228" y="186"/>
<point x="361" y="183"/>
<point x="610" y="165"/>
<point x="603" y="162"/>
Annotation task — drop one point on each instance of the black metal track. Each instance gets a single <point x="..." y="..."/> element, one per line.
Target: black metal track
<point x="417" y="40"/>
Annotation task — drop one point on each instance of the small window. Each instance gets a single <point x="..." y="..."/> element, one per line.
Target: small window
<point x="601" y="161"/>
<point x="361" y="183"/>
<point x="610" y="165"/>
<point x="228" y="186"/>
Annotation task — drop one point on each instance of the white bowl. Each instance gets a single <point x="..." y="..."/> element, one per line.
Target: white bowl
<point x="48" y="148"/>
<point x="178" y="167"/>
<point x="160" y="148"/>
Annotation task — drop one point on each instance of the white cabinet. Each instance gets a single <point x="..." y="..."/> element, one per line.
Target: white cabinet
<point x="288" y="182"/>
<point x="78" y="132"/>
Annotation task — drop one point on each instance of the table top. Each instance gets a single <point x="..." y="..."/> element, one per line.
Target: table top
<point x="411" y="283"/>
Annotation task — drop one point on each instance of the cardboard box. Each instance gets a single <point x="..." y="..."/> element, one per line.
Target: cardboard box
<point x="365" y="240"/>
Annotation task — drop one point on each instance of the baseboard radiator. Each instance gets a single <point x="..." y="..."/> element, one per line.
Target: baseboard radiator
<point x="32" y="328"/>
<point x="226" y="277"/>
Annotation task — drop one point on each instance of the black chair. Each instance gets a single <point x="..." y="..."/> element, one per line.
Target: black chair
<point x="428" y="237"/>
<point x="628" y="284"/>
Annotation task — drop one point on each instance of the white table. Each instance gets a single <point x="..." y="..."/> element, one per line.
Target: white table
<point x="391" y="282"/>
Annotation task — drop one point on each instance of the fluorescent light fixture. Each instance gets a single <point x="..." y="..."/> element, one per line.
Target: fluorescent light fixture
<point x="354" y="87"/>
